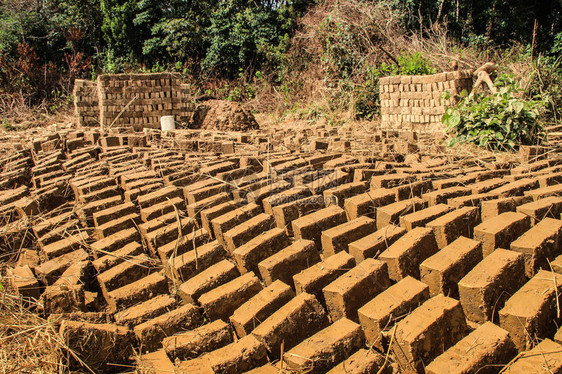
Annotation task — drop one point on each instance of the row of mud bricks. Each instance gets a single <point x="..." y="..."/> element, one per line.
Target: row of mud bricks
<point x="305" y="262"/>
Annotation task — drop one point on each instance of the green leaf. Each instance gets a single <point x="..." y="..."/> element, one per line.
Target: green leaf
<point x="518" y="106"/>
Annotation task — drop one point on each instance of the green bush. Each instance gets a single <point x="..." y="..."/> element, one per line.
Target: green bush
<point x="500" y="121"/>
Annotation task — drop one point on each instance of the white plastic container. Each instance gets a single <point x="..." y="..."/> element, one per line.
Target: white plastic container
<point x="167" y="123"/>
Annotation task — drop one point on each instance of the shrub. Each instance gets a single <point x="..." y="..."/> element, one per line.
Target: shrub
<point x="500" y="121"/>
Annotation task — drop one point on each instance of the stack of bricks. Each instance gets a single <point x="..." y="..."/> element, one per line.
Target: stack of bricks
<point x="415" y="102"/>
<point x="86" y="102"/>
<point x="132" y="100"/>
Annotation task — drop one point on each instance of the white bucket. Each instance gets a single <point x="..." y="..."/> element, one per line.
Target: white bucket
<point x="167" y="123"/>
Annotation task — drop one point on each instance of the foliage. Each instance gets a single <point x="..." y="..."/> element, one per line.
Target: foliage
<point x="500" y="121"/>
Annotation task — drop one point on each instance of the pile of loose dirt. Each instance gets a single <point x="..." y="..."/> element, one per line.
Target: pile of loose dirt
<point x="223" y="115"/>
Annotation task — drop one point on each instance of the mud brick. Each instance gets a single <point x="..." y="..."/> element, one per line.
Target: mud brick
<point x="391" y="180"/>
<point x="261" y="306"/>
<point x="193" y="196"/>
<point x="157" y="223"/>
<point x="185" y="244"/>
<point x="449" y="227"/>
<point x="133" y="194"/>
<point x="406" y="254"/>
<point x="367" y="203"/>
<point x="546" y="357"/>
<point x="211" y="213"/>
<point x="137" y="291"/>
<point x="114" y="242"/>
<point x="289" y="261"/>
<point x="501" y="230"/>
<point x="218" y="168"/>
<point x="194" y="261"/>
<point x="245" y="189"/>
<point x="114" y="344"/>
<point x="326" y="348"/>
<point x="240" y="356"/>
<point x="541" y="193"/>
<point x="424" y="216"/>
<point x="311" y="226"/>
<point x="485" y="288"/>
<point x="517" y="188"/>
<point x="494" y="348"/>
<point x="145" y="311"/>
<point x="285" y="214"/>
<point x="431" y="328"/>
<point x="285" y="197"/>
<point x="126" y="272"/>
<point x="138" y="176"/>
<point x="441" y="196"/>
<point x="24" y="282"/>
<point x="462" y="180"/>
<point x="258" y="195"/>
<point x="120" y="224"/>
<point x="363" y="361"/>
<point x="156" y="362"/>
<point x="58" y="233"/>
<point x="48" y="272"/>
<point x="539" y="209"/>
<point x="470" y="200"/>
<point x="158" y="196"/>
<point x="90" y="186"/>
<point x="249" y="255"/>
<point x="443" y="271"/>
<point x="381" y="313"/>
<point x="540" y="245"/>
<point x="531" y="313"/>
<point x="86" y="211"/>
<point x="222" y="301"/>
<point x="337" y="239"/>
<point x="496" y="207"/>
<point x="390" y="214"/>
<point x="298" y="319"/>
<point x="487" y="185"/>
<point x="345" y="295"/>
<point x="99" y="195"/>
<point x="214" y="276"/>
<point x="106" y="215"/>
<point x="233" y="218"/>
<point x="169" y="233"/>
<point x="315" y="278"/>
<point x="556" y="265"/>
<point x="63" y="299"/>
<point x="28" y="257"/>
<point x="331" y="180"/>
<point x="409" y="191"/>
<point x="192" y="344"/>
<point x="45" y="226"/>
<point x="339" y="194"/>
<point x="163" y="208"/>
<point x="247" y="230"/>
<point x="66" y="245"/>
<point x="374" y="244"/>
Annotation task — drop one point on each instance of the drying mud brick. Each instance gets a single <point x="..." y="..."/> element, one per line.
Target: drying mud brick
<point x="211" y="213"/>
<point x="259" y="307"/>
<point x="546" y="357"/>
<point x="169" y="233"/>
<point x="285" y="197"/>
<point x="221" y="302"/>
<point x="126" y="272"/>
<point x="363" y="361"/>
<point x="366" y="204"/>
<point x="247" y="230"/>
<point x="337" y="239"/>
<point x="107" y="215"/>
<point x="122" y="223"/>
<point x="159" y="196"/>
<point x="443" y="271"/>
<point x="531" y="313"/>
<point x="65" y="245"/>
<point x="110" y="260"/>
<point x="541" y="193"/>
<point x="484" y="290"/>
<point x="424" y="216"/>
<point x="194" y="210"/>
<point x="391" y="180"/>
<point x="487" y="347"/>
<point x="285" y="214"/>
<point x="249" y="255"/>
<point x="217" y="274"/>
<point x="49" y="272"/>
<point x="185" y="266"/>
<point x="540" y="209"/>
<point x="390" y="214"/>
<point x="373" y="244"/>
<point x="315" y="278"/>
<point x="162" y="208"/>
<point x="114" y="242"/>
<point x="449" y="227"/>
<point x="135" y="292"/>
<point x="500" y="231"/>
<point x="196" y="238"/>
<point x="151" y="333"/>
<point x="298" y="319"/>
<point x="441" y="196"/>
<point x="408" y="252"/>
<point x="495" y="207"/>
<point x="156" y="362"/>
<point x="337" y="195"/>
<point x="311" y="226"/>
<point x="326" y="348"/>
<point x="145" y="311"/>
<point x="352" y="290"/>
<point x="289" y="261"/>
<point x="114" y="344"/>
<point x="24" y="282"/>
<point x="517" y="188"/>
<point x="191" y="344"/>
<point x="233" y="218"/>
<point x="388" y="307"/>
<point x="540" y="245"/>
<point x="427" y="332"/>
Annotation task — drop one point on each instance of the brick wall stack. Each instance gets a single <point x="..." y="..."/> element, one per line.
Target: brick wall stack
<point x="86" y="102"/>
<point x="414" y="102"/>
